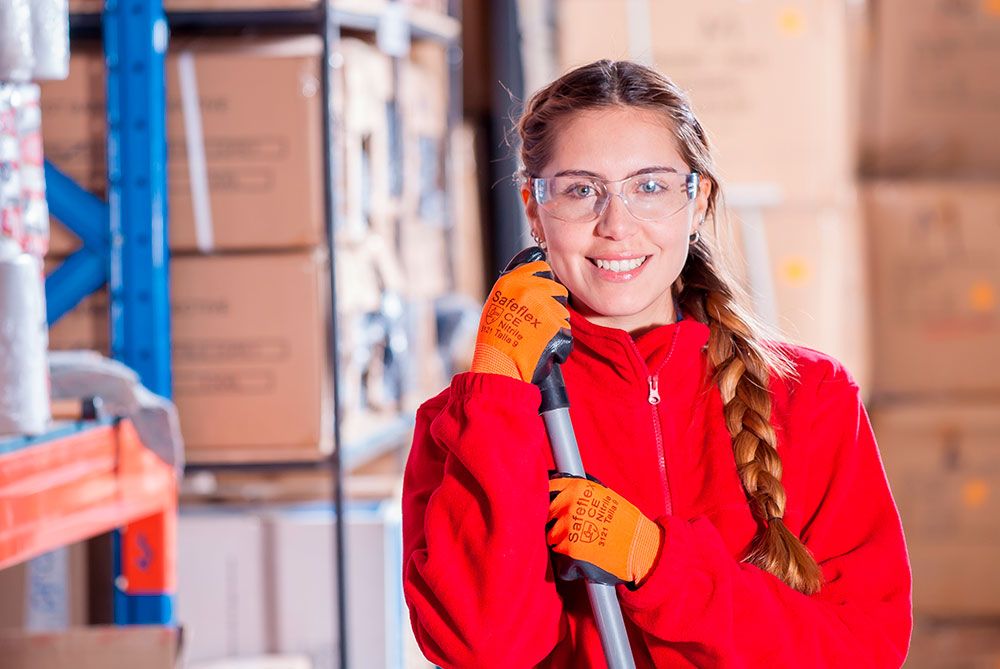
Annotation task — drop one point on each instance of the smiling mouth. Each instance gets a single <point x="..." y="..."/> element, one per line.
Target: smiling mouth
<point x="619" y="265"/>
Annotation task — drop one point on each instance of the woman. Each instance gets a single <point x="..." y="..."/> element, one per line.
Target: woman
<point x="742" y="506"/>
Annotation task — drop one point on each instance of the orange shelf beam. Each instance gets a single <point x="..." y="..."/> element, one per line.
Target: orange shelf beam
<point x="71" y="488"/>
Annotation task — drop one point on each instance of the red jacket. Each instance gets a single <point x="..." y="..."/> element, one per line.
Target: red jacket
<point x="477" y="574"/>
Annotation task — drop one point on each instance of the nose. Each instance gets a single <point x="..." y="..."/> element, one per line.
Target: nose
<point x="617" y="222"/>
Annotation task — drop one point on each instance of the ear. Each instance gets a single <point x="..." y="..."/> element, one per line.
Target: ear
<point x="530" y="208"/>
<point x="705" y="186"/>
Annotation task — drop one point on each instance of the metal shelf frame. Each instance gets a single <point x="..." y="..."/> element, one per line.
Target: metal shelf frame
<point x="84" y="479"/>
<point x="124" y="239"/>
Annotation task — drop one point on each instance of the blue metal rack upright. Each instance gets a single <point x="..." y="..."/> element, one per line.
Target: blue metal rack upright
<point x="125" y="245"/>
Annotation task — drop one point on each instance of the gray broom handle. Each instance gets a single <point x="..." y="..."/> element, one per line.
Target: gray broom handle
<point x="566" y="453"/>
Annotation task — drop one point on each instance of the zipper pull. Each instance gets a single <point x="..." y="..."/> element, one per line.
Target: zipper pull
<point x="654" y="390"/>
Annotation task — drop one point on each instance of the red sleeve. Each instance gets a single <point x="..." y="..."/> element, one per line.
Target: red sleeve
<point x="476" y="575"/>
<point x="727" y="613"/>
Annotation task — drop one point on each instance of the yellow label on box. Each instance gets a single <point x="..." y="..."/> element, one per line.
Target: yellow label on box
<point x="795" y="270"/>
<point x="983" y="296"/>
<point x="791" y="22"/>
<point x="975" y="492"/>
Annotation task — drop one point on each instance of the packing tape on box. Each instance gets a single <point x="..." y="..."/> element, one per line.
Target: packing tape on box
<point x="194" y="138"/>
<point x="640" y="31"/>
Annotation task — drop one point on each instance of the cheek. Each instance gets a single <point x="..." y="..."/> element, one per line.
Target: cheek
<point x="564" y="245"/>
<point x="676" y="243"/>
<point x="559" y="258"/>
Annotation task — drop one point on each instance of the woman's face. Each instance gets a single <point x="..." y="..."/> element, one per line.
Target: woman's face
<point x="613" y="144"/>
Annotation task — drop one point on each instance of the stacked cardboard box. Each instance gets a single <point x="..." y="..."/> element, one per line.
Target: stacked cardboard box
<point x="256" y="580"/>
<point x="245" y="170"/>
<point x="249" y="274"/>
<point x="771" y="81"/>
<point x="118" y="647"/>
<point x="48" y="592"/>
<point x="248" y="289"/>
<point x="932" y="210"/>
<point x="896" y="275"/>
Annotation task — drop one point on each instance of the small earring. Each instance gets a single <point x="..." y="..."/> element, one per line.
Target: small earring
<point x="541" y="242"/>
<point x="693" y="239"/>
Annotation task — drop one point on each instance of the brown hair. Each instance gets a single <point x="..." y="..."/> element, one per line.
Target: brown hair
<point x="743" y="359"/>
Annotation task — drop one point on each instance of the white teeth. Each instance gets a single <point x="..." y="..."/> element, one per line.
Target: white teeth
<point x="620" y="265"/>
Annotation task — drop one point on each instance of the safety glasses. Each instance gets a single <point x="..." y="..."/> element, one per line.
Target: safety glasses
<point x="650" y="196"/>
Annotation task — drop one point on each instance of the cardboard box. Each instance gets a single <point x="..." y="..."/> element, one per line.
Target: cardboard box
<point x="818" y="293"/>
<point x="425" y="258"/>
<point x="935" y="285"/>
<point x="255" y="580"/>
<point x="255" y="662"/>
<point x="95" y="6"/>
<point x="305" y="607"/>
<point x="467" y="248"/>
<point x="257" y="178"/>
<point x="250" y="365"/>
<point x="970" y="644"/>
<point x="46" y="593"/>
<point x="221" y="571"/>
<point x="943" y="465"/>
<point x="149" y="647"/>
<point x="235" y="5"/>
<point x="937" y="93"/>
<point x="85" y="327"/>
<point x="423" y="102"/>
<point x="768" y="79"/>
<point x="369" y="204"/>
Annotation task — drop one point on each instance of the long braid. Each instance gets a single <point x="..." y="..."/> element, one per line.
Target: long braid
<point x="743" y="367"/>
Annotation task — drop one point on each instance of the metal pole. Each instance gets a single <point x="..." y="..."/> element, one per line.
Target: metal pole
<point x="566" y="453"/>
<point x="333" y="178"/>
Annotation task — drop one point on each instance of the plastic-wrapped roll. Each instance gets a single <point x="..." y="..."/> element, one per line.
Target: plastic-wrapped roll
<point x="50" y="38"/>
<point x="24" y="393"/>
<point x="34" y="208"/>
<point x="16" y="52"/>
<point x="11" y="226"/>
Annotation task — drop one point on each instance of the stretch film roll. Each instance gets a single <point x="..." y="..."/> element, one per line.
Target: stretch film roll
<point x="50" y="38"/>
<point x="11" y="225"/>
<point x="16" y="54"/>
<point x="34" y="207"/>
<point x="24" y="393"/>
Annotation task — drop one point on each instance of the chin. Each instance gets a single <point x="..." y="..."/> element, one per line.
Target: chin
<point x="612" y="308"/>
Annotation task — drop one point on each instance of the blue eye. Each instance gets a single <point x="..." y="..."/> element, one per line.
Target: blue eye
<point x="582" y="190"/>
<point x="650" y="186"/>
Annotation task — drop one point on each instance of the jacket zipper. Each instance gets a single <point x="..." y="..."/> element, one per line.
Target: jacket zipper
<point x="654" y="399"/>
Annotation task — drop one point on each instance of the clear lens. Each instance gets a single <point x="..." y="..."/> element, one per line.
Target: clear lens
<point x="649" y="197"/>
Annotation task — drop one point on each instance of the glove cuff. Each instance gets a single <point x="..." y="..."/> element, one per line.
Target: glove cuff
<point x="645" y="549"/>
<point x="488" y="360"/>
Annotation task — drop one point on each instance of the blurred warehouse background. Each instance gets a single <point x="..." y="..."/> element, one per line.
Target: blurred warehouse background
<point x="859" y="144"/>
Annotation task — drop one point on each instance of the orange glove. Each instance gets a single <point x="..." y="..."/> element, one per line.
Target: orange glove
<point x="524" y="329"/>
<point x="607" y="539"/>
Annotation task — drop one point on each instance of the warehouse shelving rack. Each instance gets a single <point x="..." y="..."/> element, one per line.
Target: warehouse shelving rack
<point x="125" y="242"/>
<point x="85" y="478"/>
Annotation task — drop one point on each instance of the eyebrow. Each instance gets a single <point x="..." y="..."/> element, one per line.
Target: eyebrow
<point x="644" y="170"/>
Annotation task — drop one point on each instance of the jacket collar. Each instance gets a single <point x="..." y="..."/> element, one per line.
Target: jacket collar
<point x="673" y="351"/>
